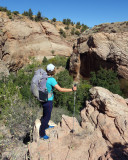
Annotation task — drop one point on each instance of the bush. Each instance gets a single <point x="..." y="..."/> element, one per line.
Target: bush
<point x="72" y="31"/>
<point x="7" y="90"/>
<point x="10" y="17"/>
<point x="45" y="18"/>
<point x="58" y="61"/>
<point x="15" y="12"/>
<point x="67" y="27"/>
<point x="62" y="33"/>
<point x="77" y="33"/>
<point x="25" y="13"/>
<point x="52" y="51"/>
<point x="3" y="9"/>
<point x="67" y="21"/>
<point x="84" y="27"/>
<point x="107" y="79"/>
<point x="66" y="100"/>
<point x="8" y="13"/>
<point x="16" y="88"/>
<point x="45" y="61"/>
<point x="54" y="19"/>
<point x="78" y="26"/>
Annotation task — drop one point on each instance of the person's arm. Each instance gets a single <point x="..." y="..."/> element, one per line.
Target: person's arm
<point x="65" y="89"/>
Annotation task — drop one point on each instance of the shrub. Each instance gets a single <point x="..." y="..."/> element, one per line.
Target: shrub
<point x="25" y="13"/>
<point x="72" y="31"/>
<point x="16" y="87"/>
<point x="52" y="51"/>
<point x="67" y="27"/>
<point x="45" y="18"/>
<point x="78" y="26"/>
<point x="15" y="12"/>
<point x="7" y="90"/>
<point x="84" y="27"/>
<point x="45" y="61"/>
<point x="67" y="21"/>
<point x="58" y="61"/>
<point x="124" y="86"/>
<point x="107" y="79"/>
<point x="10" y="17"/>
<point x="62" y="33"/>
<point x="8" y="13"/>
<point x="54" y="19"/>
<point x="77" y="33"/>
<point x="3" y="9"/>
<point x="66" y="100"/>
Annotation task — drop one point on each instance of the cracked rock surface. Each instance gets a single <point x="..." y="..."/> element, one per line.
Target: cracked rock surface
<point x="108" y="50"/>
<point x="101" y="135"/>
<point x="23" y="38"/>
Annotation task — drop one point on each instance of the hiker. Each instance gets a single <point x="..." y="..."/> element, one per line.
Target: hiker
<point x="47" y="106"/>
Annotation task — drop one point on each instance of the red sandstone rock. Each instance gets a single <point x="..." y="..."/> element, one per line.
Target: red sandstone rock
<point x="109" y="50"/>
<point x="103" y="134"/>
<point x="23" y="38"/>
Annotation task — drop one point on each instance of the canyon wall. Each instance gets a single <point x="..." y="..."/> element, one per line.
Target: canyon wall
<point x="107" y="50"/>
<point x="21" y="38"/>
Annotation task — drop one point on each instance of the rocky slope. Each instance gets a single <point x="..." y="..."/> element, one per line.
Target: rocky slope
<point x="21" y="38"/>
<point x="103" y="132"/>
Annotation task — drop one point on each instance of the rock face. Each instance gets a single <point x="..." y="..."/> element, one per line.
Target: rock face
<point x="3" y="69"/>
<point x="102" y="133"/>
<point x="108" y="50"/>
<point x="23" y="38"/>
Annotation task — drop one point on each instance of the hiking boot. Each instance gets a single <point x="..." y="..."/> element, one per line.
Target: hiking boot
<point x="45" y="137"/>
<point x="50" y="127"/>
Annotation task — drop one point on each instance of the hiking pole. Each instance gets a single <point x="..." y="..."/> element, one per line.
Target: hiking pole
<point x="72" y="131"/>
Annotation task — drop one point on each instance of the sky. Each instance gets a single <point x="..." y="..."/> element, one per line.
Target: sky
<point x="89" y="12"/>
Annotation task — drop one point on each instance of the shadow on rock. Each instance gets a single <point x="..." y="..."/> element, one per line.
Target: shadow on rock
<point x="119" y="151"/>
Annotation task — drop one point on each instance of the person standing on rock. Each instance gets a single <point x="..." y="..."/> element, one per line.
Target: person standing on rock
<point x="47" y="106"/>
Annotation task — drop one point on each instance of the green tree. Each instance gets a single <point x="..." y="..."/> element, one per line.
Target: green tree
<point x="107" y="79"/>
<point x="25" y="13"/>
<point x="78" y="26"/>
<point x="84" y="27"/>
<point x="64" y="21"/>
<point x="3" y="9"/>
<point x="54" y="19"/>
<point x="30" y="14"/>
<point x="15" y="12"/>
<point x="45" y="60"/>
<point x="38" y="16"/>
<point x="67" y="21"/>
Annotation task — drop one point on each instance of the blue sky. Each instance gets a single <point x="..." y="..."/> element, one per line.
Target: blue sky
<point x="89" y="12"/>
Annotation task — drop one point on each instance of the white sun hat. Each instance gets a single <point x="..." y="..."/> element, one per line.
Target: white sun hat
<point x="50" y="67"/>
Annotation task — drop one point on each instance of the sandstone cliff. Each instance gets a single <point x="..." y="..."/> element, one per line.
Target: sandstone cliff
<point x="108" y="50"/>
<point x="21" y="38"/>
<point x="103" y="131"/>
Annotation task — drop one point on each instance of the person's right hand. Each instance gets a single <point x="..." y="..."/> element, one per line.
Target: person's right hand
<point x="74" y="88"/>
